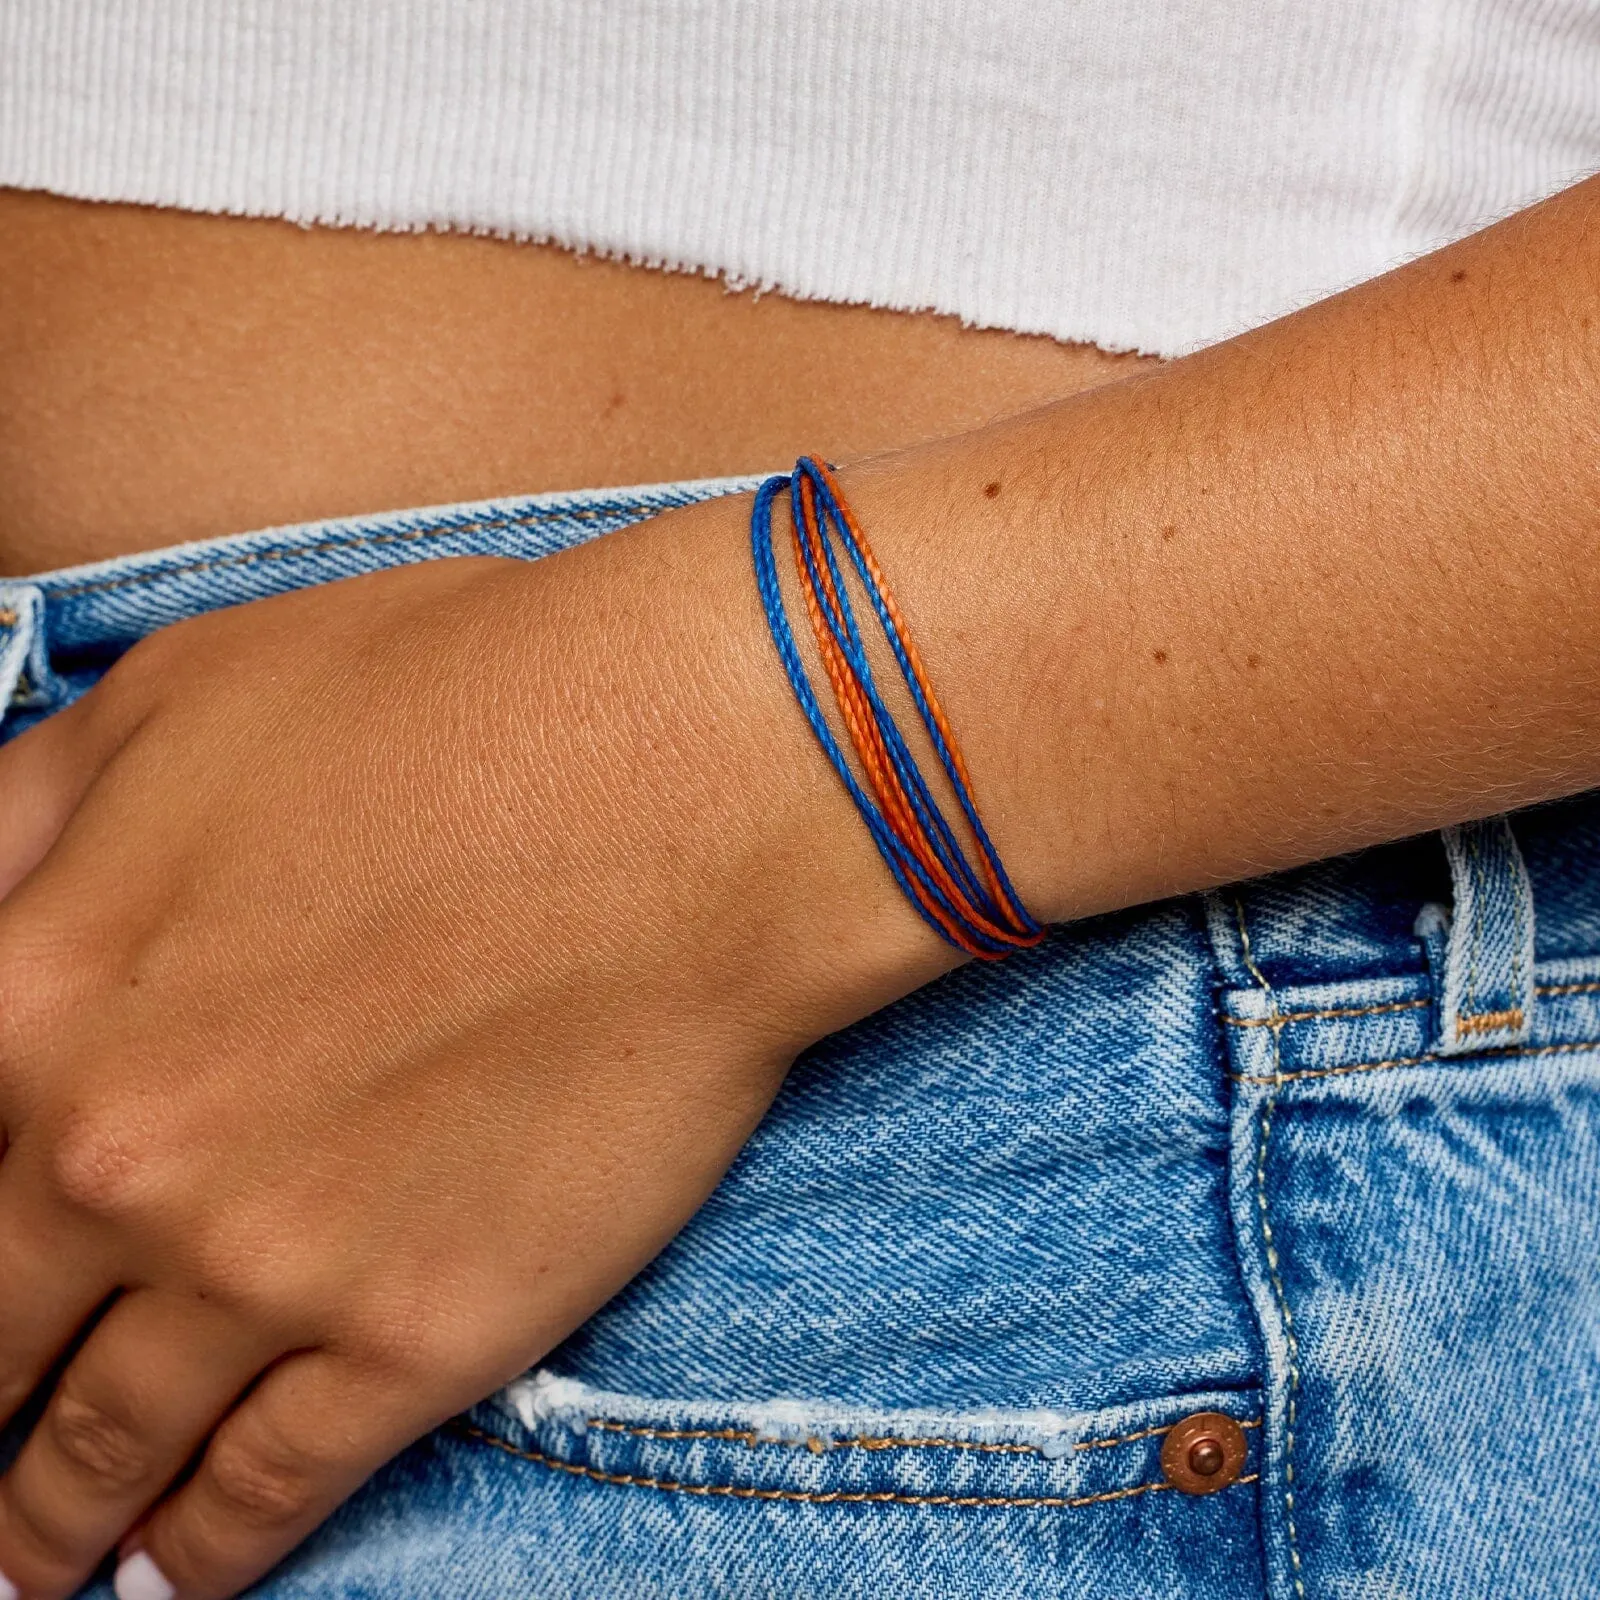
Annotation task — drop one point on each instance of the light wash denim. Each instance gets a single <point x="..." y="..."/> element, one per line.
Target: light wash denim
<point x="1321" y="1152"/>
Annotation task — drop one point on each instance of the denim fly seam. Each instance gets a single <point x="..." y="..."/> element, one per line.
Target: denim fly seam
<point x="1282" y="1390"/>
<point x="1482" y="958"/>
<point x="1434" y="1253"/>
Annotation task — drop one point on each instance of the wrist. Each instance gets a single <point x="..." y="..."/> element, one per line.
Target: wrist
<point x="797" y="925"/>
<point x="969" y="559"/>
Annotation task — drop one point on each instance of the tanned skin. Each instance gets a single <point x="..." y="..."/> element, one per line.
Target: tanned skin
<point x="315" y="907"/>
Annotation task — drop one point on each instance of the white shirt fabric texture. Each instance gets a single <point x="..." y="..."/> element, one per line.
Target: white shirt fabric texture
<point x="1142" y="174"/>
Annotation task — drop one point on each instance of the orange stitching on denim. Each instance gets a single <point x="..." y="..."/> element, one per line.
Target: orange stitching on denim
<point x="1091" y="1444"/>
<point x="1490" y="1021"/>
<point x="867" y="1441"/>
<point x="1323" y="1016"/>
<point x="248" y="558"/>
<point x="817" y="1497"/>
<point x="751" y="1438"/>
<point x="1413" y="1061"/>
<point x="1511" y="1018"/>
<point x="886" y="1441"/>
<point x="1146" y="1433"/>
<point x="1471" y="1020"/>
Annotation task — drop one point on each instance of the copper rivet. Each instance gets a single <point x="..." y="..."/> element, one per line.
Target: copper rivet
<point x="1204" y="1453"/>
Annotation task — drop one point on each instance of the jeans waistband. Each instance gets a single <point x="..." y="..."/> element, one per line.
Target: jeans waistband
<point x="114" y="603"/>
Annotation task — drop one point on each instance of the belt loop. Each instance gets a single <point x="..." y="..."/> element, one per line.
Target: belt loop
<point x="1481" y="950"/>
<point x="26" y="678"/>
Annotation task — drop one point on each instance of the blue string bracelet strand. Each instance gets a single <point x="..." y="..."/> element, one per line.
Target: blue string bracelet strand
<point x="970" y="904"/>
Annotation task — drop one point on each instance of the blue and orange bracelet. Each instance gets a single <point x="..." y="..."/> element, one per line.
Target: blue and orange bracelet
<point x="971" y="905"/>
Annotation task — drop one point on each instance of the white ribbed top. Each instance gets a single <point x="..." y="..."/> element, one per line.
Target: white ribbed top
<point x="1147" y="174"/>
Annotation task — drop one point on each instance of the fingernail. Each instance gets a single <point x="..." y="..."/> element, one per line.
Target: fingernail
<point x="8" y="1590"/>
<point x="139" y="1578"/>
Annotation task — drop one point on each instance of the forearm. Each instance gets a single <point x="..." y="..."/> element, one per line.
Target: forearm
<point x="1330" y="583"/>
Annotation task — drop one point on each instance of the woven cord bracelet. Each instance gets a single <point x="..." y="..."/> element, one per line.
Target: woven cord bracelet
<point x="972" y="906"/>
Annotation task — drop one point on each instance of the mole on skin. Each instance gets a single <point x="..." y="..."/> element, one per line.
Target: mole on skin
<point x="990" y="490"/>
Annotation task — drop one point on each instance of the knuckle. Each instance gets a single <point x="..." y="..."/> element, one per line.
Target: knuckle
<point x="101" y="1445"/>
<point x="263" y="1485"/>
<point x="102" y="1162"/>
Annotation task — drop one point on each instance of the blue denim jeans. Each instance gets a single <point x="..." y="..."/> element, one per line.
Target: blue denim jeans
<point x="1320" y="1153"/>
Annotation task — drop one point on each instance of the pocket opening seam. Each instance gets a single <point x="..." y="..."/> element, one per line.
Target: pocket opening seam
<point x="817" y="1445"/>
<point x="736" y="1491"/>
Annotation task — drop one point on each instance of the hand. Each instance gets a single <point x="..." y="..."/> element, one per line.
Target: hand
<point x="387" y="971"/>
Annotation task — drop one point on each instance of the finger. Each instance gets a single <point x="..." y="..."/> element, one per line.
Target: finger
<point x="127" y="1415"/>
<point x="304" y="1440"/>
<point x="45" y="772"/>
<point x="51" y="1284"/>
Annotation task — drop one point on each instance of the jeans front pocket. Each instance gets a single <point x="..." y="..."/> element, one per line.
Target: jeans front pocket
<point x="561" y="1492"/>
